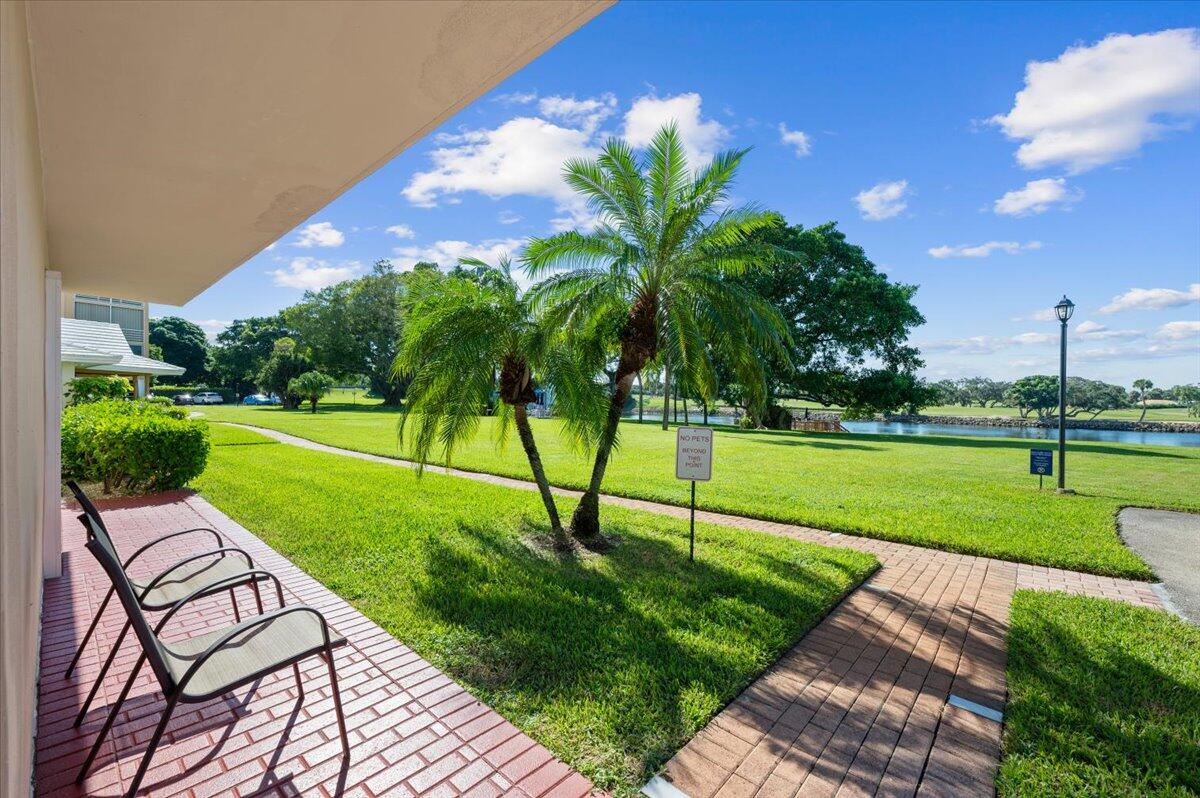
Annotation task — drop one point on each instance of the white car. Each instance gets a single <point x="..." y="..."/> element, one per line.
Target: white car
<point x="207" y="398"/>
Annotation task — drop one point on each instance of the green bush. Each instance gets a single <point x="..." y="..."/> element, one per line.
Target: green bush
<point x="83" y="390"/>
<point x="141" y="445"/>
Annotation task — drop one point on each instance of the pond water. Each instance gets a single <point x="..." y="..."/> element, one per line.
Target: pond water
<point x="1035" y="433"/>
<point x="1191" y="439"/>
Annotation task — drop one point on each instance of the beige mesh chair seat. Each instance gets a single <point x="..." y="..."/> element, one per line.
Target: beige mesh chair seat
<point x="188" y="577"/>
<point x="251" y="648"/>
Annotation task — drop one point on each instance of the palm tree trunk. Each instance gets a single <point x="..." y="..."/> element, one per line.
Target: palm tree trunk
<point x="641" y="396"/>
<point x="525" y="433"/>
<point x="705" y="404"/>
<point x="585" y="522"/>
<point x="666" y="389"/>
<point x="1143" y="416"/>
<point x="686" y="418"/>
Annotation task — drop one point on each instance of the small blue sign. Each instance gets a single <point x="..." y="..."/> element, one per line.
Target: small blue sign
<point x="1041" y="462"/>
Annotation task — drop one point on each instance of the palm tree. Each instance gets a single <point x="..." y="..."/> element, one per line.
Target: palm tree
<point x="656" y="271"/>
<point x="1143" y="387"/>
<point x="468" y="333"/>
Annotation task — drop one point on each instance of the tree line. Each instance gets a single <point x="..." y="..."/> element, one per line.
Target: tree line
<point x="1038" y="394"/>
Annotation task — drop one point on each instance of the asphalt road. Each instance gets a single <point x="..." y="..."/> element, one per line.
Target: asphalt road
<point x="1170" y="543"/>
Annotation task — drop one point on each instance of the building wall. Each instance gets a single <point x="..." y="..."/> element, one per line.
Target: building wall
<point x="140" y="344"/>
<point x="23" y="263"/>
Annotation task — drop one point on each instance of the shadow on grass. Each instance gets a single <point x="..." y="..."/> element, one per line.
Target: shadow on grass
<point x="1102" y="710"/>
<point x="641" y="644"/>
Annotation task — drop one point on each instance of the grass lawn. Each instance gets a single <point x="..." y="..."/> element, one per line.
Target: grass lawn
<point x="965" y="494"/>
<point x="611" y="661"/>
<point x="1104" y="700"/>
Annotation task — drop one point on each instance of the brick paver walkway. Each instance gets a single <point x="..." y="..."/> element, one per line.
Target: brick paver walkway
<point x="871" y="701"/>
<point x="413" y="730"/>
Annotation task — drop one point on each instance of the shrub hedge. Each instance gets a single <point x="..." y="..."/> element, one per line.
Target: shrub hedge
<point x="139" y="445"/>
<point x="82" y="390"/>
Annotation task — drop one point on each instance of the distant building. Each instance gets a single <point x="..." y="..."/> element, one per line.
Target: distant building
<point x="99" y="347"/>
<point x="129" y="314"/>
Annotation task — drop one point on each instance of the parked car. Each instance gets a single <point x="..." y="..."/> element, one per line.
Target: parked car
<point x="208" y="398"/>
<point x="183" y="398"/>
<point x="261" y="399"/>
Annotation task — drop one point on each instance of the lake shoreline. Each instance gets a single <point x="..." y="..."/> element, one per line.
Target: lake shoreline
<point x="1119" y="425"/>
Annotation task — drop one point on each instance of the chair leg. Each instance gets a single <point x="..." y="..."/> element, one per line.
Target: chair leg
<point x="158" y="732"/>
<point x="100" y="676"/>
<point x="299" y="682"/>
<point x="237" y="614"/>
<point x="337" y="704"/>
<point x="112" y="716"/>
<point x="88" y="634"/>
<point x="257" y="595"/>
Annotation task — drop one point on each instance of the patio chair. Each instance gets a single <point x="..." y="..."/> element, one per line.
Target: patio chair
<point x="224" y="567"/>
<point x="201" y="668"/>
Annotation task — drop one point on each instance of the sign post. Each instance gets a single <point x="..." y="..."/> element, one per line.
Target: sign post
<point x="1041" y="462"/>
<point x="693" y="462"/>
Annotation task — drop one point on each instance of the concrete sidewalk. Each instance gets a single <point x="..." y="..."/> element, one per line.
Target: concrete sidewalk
<point x="1170" y="543"/>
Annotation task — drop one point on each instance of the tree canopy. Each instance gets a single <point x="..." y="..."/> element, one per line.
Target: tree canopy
<point x="353" y="328"/>
<point x="183" y="344"/>
<point x="243" y="348"/>
<point x="848" y="323"/>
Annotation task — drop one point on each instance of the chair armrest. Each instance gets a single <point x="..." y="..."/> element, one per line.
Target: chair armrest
<point x="217" y="535"/>
<point x="221" y="551"/>
<point x="220" y="584"/>
<point x="224" y="639"/>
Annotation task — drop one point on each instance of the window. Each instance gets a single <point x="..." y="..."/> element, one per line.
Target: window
<point x="128" y="314"/>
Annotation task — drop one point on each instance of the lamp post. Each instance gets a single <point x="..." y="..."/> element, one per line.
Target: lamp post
<point x="1064" y="309"/>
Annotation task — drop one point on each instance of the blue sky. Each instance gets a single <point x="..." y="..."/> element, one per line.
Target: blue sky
<point x="996" y="155"/>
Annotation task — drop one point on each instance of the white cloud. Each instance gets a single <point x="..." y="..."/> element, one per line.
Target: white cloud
<point x="1037" y="196"/>
<point x="587" y="113"/>
<point x="974" y="345"/>
<point x="1034" y="338"/>
<point x="401" y="231"/>
<point x="1041" y="314"/>
<point x="882" y="200"/>
<point x="1094" y="331"/>
<point x="522" y="156"/>
<point x="1096" y="104"/>
<point x="1179" y="331"/>
<point x="984" y="250"/>
<point x="1136" y="352"/>
<point x="516" y="98"/>
<point x="211" y="327"/>
<point x="319" y="234"/>
<point x="701" y="137"/>
<point x="798" y="140"/>
<point x="1152" y="299"/>
<point x="508" y="217"/>
<point x="310" y="274"/>
<point x="447" y="253"/>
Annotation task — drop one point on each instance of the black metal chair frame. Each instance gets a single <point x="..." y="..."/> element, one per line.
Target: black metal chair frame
<point x="223" y="549"/>
<point x="174" y="693"/>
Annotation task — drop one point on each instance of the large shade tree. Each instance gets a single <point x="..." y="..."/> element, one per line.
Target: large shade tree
<point x="471" y="334"/>
<point x="243" y="348"/>
<point x="657" y="273"/>
<point x="183" y="344"/>
<point x="353" y="327"/>
<point x="849" y="324"/>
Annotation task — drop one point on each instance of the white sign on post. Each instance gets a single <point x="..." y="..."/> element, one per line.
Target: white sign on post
<point x="693" y="453"/>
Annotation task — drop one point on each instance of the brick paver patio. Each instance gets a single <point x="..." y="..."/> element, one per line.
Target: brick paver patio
<point x="897" y="692"/>
<point x="413" y="730"/>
